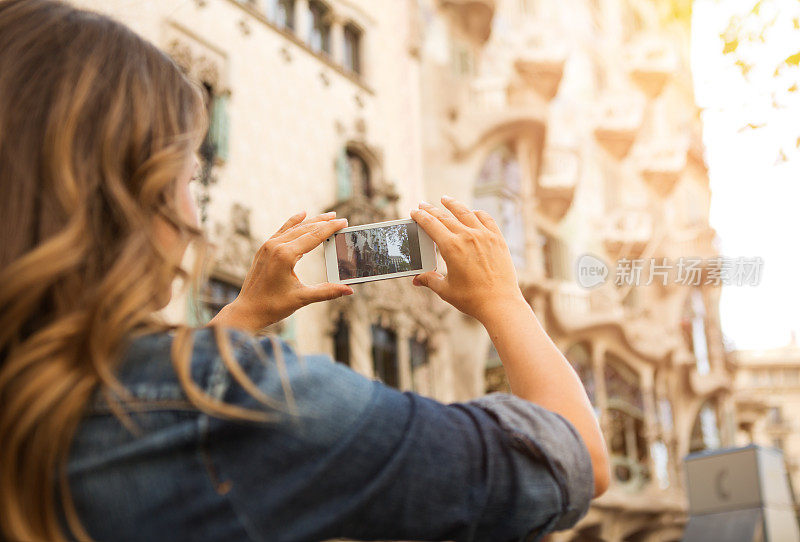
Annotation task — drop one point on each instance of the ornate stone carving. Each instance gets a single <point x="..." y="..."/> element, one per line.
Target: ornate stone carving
<point x="233" y="245"/>
<point x="366" y="195"/>
<point x="240" y="219"/>
<point x="181" y="54"/>
<point x="208" y="71"/>
<point x="198" y="59"/>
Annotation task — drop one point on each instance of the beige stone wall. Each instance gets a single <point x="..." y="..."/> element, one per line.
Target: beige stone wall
<point x="593" y="101"/>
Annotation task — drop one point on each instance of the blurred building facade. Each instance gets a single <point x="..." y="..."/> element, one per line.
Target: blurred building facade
<point x="572" y="122"/>
<point x="768" y="402"/>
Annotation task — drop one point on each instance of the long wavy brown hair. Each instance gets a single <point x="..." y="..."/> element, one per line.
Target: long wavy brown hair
<point x="96" y="125"/>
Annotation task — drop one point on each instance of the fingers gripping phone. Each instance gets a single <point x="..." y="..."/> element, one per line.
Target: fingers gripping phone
<point x="384" y="250"/>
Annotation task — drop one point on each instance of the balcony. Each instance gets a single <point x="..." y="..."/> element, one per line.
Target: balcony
<point x="541" y="70"/>
<point x="696" y="243"/>
<point x="647" y="335"/>
<point x="575" y="308"/>
<point x="662" y="167"/>
<point x="618" y="124"/>
<point x="487" y="108"/>
<point x="652" y="64"/>
<point x="704" y="385"/>
<point x="628" y="233"/>
<point x="473" y="16"/>
<point x="750" y="409"/>
<point x="557" y="181"/>
<point x="780" y="427"/>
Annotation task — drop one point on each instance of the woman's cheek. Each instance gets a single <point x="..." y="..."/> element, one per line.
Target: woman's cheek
<point x="187" y="207"/>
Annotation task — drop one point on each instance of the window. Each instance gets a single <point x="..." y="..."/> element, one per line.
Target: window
<point x="665" y="414"/>
<point x="694" y="330"/>
<point x="215" y="144"/>
<point x="463" y="59"/>
<point x="660" y="455"/>
<point x="705" y="432"/>
<point x="352" y="49"/>
<point x="319" y="36"/>
<point x="555" y="257"/>
<point x="421" y="373"/>
<point x="214" y="295"/>
<point x="281" y="12"/>
<point x="341" y="341"/>
<point x="579" y="357"/>
<point x="775" y="416"/>
<point x="353" y="176"/>
<point x="384" y="355"/>
<point x="497" y="191"/>
<point x="627" y="443"/>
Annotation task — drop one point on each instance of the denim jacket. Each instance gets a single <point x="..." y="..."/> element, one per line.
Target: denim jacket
<point x="345" y="456"/>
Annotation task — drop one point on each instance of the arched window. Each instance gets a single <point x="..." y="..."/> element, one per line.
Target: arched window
<point x="341" y="341"/>
<point x="497" y="190"/>
<point x="626" y="439"/>
<point x="693" y="326"/>
<point x="384" y="355"/>
<point x="705" y="431"/>
<point x="353" y="176"/>
<point x="579" y="356"/>
<point x="319" y="35"/>
<point x="352" y="49"/>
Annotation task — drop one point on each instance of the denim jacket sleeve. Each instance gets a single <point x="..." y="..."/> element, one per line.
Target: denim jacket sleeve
<point x="354" y="458"/>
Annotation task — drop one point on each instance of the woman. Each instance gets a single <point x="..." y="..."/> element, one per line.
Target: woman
<point x="113" y="427"/>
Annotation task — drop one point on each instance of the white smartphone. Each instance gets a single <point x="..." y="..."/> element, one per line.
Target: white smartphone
<point x="384" y="250"/>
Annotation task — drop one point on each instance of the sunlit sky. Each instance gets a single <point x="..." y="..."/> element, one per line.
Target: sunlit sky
<point x="755" y="192"/>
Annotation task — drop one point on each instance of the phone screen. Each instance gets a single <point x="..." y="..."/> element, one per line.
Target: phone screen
<point x="378" y="251"/>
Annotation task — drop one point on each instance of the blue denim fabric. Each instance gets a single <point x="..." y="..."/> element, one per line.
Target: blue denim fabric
<point x="353" y="459"/>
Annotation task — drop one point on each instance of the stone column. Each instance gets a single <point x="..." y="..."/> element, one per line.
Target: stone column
<point x="301" y="20"/>
<point x="600" y="397"/>
<point x="650" y="422"/>
<point x="404" y="332"/>
<point x="435" y="341"/>
<point x="361" y="341"/>
<point x="727" y="415"/>
<point x="337" y="40"/>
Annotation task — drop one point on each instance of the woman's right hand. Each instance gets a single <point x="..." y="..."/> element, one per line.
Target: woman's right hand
<point x="481" y="279"/>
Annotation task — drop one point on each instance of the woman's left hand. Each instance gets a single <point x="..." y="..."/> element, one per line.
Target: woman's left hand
<point x="271" y="289"/>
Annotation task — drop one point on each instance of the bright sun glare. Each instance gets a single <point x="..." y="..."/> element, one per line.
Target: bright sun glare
<point x="752" y="132"/>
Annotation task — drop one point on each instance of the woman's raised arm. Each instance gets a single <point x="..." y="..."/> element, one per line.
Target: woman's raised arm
<point x="481" y="282"/>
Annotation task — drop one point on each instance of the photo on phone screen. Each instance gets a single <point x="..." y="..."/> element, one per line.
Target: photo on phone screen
<point x="378" y="251"/>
